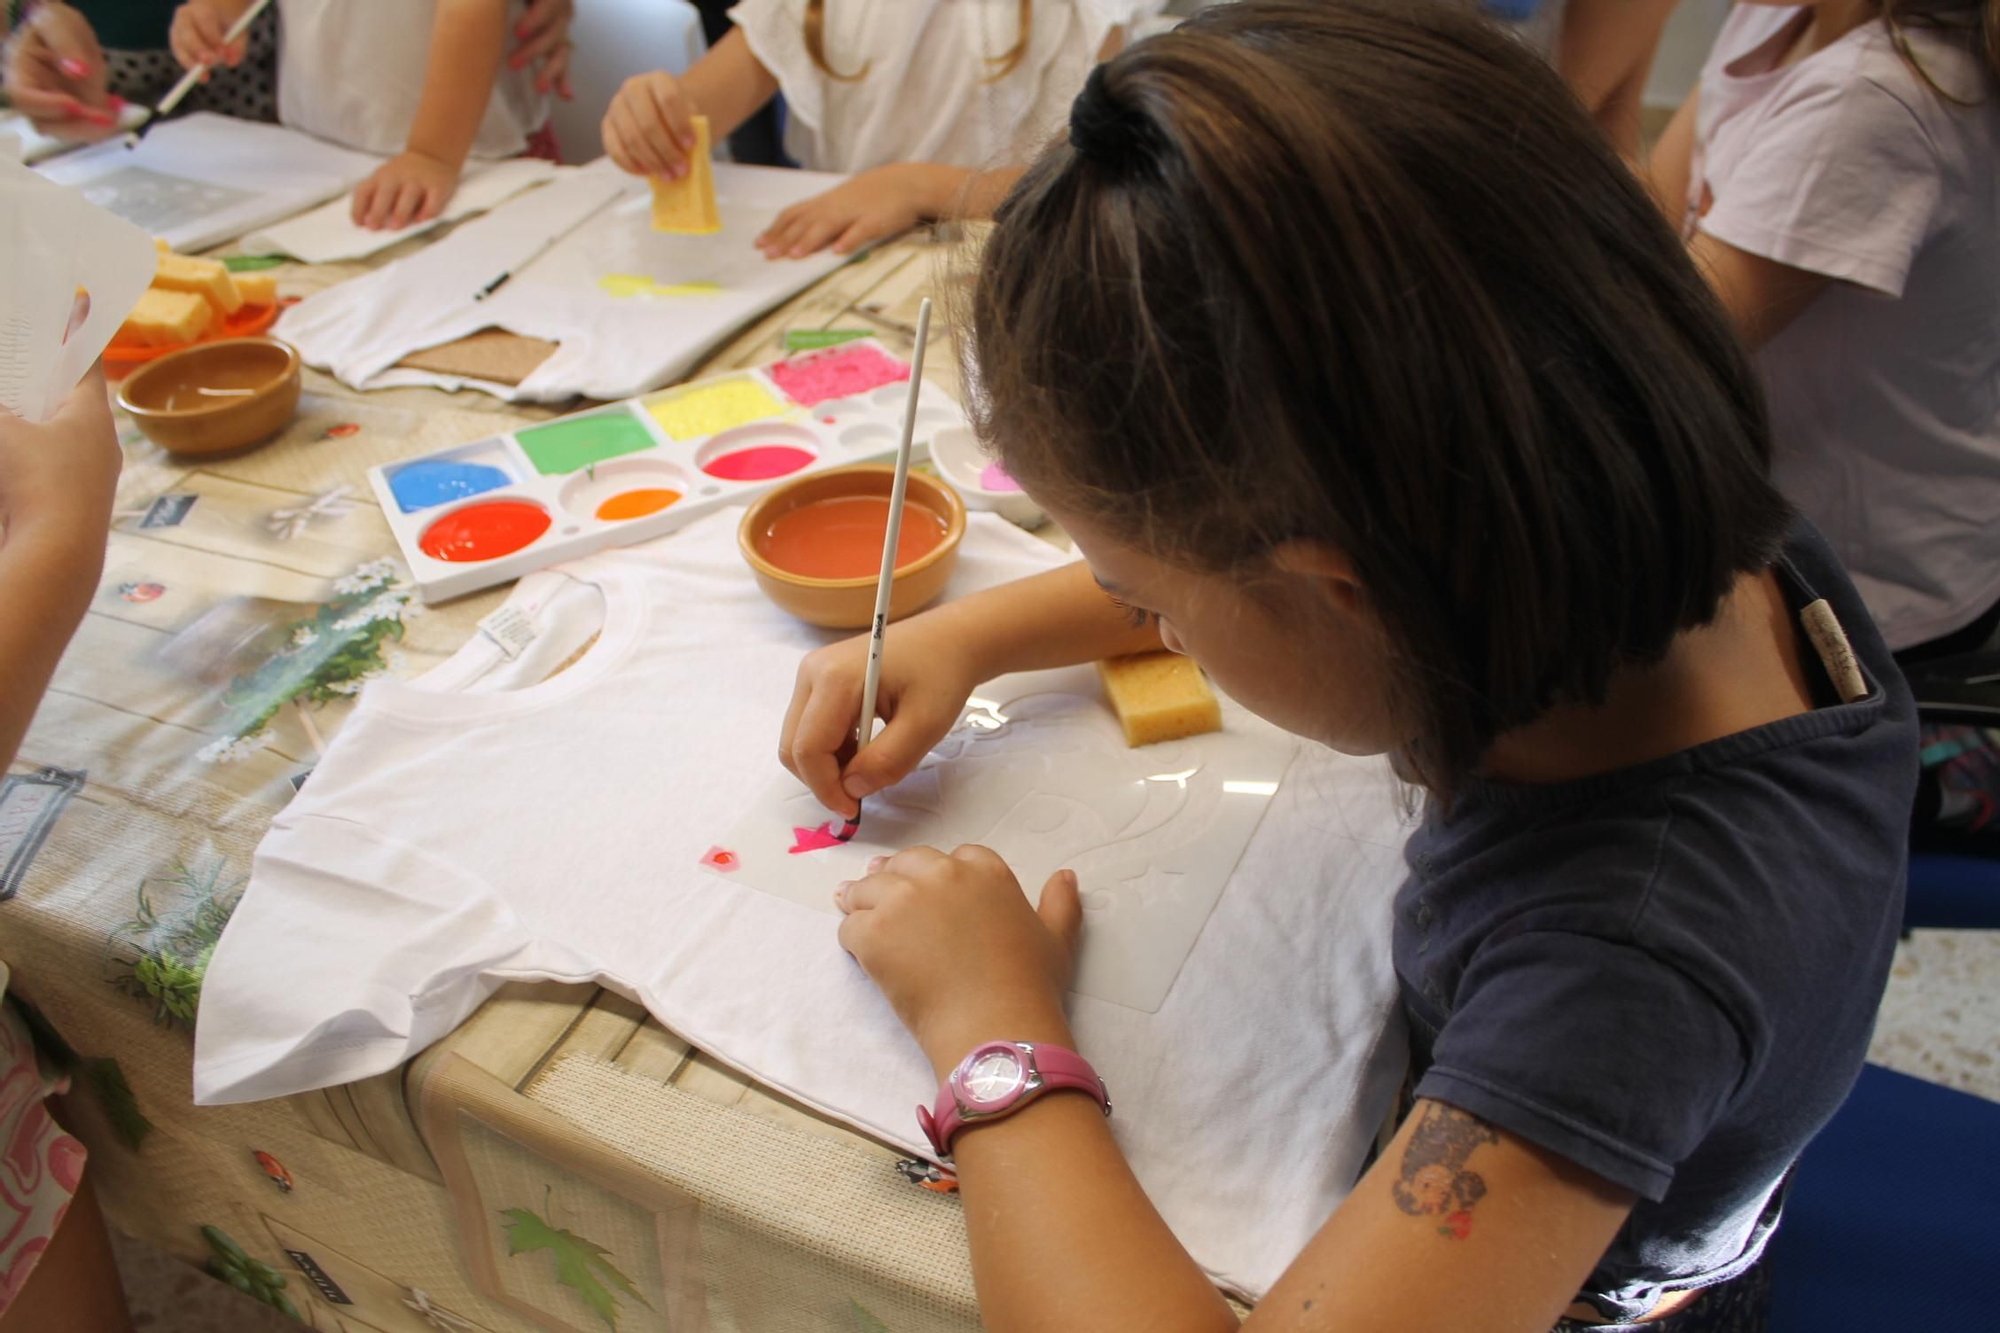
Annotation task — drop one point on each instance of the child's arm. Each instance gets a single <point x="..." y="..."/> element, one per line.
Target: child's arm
<point x="56" y="485"/>
<point x="930" y="664"/>
<point x="1671" y="163"/>
<point x="649" y="129"/>
<point x="1459" y="1225"/>
<point x="468" y="40"/>
<point x="1605" y="51"/>
<point x="883" y="202"/>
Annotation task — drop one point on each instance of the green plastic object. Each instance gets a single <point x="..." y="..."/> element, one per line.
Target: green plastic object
<point x="810" y="340"/>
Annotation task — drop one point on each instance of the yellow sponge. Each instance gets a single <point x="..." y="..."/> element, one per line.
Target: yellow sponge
<point x="166" y="319"/>
<point x="185" y="273"/>
<point x="1159" y="697"/>
<point x="257" y="288"/>
<point x="688" y="204"/>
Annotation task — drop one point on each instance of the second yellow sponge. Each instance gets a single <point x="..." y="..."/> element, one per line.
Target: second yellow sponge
<point x="1159" y="697"/>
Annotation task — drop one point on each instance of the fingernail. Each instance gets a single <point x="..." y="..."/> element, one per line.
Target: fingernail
<point x="875" y="863"/>
<point x="858" y="787"/>
<point x="97" y="117"/>
<point x="117" y="102"/>
<point x="75" y="68"/>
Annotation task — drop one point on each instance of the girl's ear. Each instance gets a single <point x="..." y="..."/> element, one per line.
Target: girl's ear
<point x="1326" y="568"/>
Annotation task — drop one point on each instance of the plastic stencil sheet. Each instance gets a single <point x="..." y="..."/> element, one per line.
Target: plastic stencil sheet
<point x="1038" y="770"/>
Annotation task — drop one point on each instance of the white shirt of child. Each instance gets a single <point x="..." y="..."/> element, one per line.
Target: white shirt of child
<point x="352" y="71"/>
<point x="1885" y="392"/>
<point x="928" y="93"/>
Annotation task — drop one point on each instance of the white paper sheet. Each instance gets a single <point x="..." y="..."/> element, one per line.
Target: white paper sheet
<point x="1038" y="770"/>
<point x="39" y="147"/>
<point x="53" y="242"/>
<point x="329" y="233"/>
<point x="609" y="346"/>
<point x="205" y="179"/>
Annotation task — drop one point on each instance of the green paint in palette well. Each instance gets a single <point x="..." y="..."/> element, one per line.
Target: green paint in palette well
<point x="575" y="443"/>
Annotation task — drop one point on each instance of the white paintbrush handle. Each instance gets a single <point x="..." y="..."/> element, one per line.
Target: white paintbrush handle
<point x="894" y="536"/>
<point x="195" y="72"/>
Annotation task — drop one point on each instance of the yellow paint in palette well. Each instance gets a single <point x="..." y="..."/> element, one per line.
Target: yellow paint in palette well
<point x="709" y="409"/>
<point x="638" y="284"/>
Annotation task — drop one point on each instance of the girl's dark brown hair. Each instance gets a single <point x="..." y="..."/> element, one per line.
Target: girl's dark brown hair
<point x="1003" y="64"/>
<point x="1362" y="272"/>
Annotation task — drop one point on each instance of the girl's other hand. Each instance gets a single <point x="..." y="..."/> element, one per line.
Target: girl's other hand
<point x="543" y="34"/>
<point x="958" y="950"/>
<point x="409" y="188"/>
<point x="58" y="478"/>
<point x="56" y="75"/>
<point x="925" y="682"/>
<point x="876" y="204"/>
<point x="649" y="130"/>
<point x="197" y="33"/>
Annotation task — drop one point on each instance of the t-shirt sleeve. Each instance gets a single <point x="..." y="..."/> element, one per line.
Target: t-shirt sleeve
<point x="1597" y="1051"/>
<point x="775" y="31"/>
<point x="1842" y="180"/>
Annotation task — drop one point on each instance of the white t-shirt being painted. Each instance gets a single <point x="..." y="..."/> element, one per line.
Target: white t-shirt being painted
<point x="352" y="71"/>
<point x="1885" y="392"/>
<point x="928" y="93"/>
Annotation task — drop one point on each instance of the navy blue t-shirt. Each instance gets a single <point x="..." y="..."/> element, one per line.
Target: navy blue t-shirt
<point x="1669" y="974"/>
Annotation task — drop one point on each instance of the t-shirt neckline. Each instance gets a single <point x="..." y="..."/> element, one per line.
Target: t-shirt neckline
<point x="438" y="696"/>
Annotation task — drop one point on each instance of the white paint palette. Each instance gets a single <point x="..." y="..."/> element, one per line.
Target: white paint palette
<point x="488" y="512"/>
<point x="1038" y="770"/>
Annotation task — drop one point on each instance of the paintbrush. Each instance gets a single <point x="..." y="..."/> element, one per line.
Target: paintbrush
<point x="890" y="540"/>
<point x="197" y="73"/>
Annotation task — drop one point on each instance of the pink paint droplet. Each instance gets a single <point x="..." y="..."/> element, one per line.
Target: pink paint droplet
<point x="996" y="478"/>
<point x="814" y="839"/>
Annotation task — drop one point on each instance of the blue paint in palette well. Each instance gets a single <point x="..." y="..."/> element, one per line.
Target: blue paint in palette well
<point x="428" y="484"/>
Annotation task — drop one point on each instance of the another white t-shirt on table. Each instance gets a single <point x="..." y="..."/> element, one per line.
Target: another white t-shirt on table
<point x="352" y="71"/>
<point x="1885" y="391"/>
<point x="928" y="94"/>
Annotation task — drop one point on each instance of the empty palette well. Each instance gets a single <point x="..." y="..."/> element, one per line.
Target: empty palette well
<point x="575" y="443"/>
<point x="708" y="409"/>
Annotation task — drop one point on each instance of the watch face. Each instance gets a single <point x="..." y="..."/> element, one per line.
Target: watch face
<point x="991" y="1076"/>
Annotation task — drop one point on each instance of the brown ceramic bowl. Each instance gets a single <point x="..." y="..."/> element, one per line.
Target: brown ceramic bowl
<point x="215" y="398"/>
<point x="850" y="603"/>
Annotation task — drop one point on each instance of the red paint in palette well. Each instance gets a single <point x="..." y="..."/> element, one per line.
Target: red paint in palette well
<point x="758" y="463"/>
<point x="841" y="537"/>
<point x="484" y="531"/>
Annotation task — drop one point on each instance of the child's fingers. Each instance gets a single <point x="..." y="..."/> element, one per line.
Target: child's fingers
<point x="814" y="236"/>
<point x="865" y="231"/>
<point x="674" y="121"/>
<point x="409" y="202"/>
<point x="641" y="157"/>
<point x="1061" y="909"/>
<point x="614" y="147"/>
<point x="825" y="727"/>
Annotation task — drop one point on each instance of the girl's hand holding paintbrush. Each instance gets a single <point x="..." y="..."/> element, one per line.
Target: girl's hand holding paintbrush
<point x="56" y="75"/>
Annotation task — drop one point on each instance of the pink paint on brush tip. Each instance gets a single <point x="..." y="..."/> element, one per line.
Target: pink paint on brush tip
<point x="996" y="478"/>
<point x="814" y="839"/>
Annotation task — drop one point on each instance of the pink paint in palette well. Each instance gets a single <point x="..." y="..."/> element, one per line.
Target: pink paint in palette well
<point x="758" y="463"/>
<point x="997" y="478"/>
<point x="838" y="373"/>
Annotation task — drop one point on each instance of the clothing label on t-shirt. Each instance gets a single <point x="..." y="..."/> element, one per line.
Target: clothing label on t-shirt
<point x="511" y="629"/>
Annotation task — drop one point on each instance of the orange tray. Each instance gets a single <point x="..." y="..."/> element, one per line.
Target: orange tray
<point x="121" y="357"/>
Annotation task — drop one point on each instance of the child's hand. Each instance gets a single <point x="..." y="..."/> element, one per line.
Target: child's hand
<point x="649" y="130"/>
<point x="409" y="188"/>
<point x="923" y="688"/>
<point x="58" y="478"/>
<point x="198" y="30"/>
<point x="877" y="203"/>
<point x="543" y="34"/>
<point x="959" y="952"/>
<point x="56" y="75"/>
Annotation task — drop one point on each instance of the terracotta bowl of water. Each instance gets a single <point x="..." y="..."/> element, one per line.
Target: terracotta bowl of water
<point x="815" y="544"/>
<point x="215" y="398"/>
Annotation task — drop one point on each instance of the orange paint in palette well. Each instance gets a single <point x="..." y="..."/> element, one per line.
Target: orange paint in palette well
<point x="638" y="503"/>
<point x="841" y="537"/>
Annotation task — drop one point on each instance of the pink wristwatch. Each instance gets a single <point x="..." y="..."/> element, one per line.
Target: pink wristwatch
<point x="999" y="1078"/>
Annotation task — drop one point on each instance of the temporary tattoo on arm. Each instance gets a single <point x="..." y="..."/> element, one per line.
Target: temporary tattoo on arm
<point x="1433" y="1181"/>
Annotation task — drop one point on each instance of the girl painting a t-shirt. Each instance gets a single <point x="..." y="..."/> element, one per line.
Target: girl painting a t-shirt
<point x="1413" y="423"/>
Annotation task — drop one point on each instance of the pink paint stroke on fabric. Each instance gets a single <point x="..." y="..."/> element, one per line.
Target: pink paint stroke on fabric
<point x="814" y="839"/>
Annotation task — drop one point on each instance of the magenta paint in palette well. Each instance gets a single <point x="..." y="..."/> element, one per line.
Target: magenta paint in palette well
<point x="759" y="462"/>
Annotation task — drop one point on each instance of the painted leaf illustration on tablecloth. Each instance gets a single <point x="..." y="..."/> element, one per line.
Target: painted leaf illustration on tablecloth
<point x="582" y="1266"/>
<point x="161" y="955"/>
<point x="863" y="1321"/>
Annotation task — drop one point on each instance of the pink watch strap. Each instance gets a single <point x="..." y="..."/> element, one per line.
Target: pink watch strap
<point x="1046" y="1069"/>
